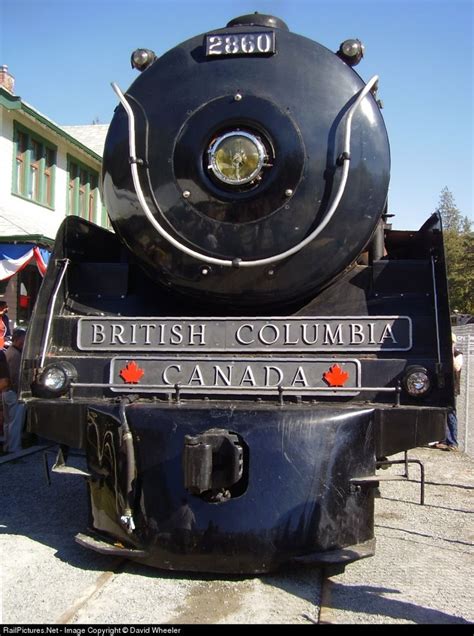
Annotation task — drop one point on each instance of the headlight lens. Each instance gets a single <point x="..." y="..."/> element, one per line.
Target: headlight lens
<point x="417" y="381"/>
<point x="237" y="157"/>
<point x="56" y="379"/>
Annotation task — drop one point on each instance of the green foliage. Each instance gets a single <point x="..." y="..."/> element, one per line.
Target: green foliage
<point x="459" y="248"/>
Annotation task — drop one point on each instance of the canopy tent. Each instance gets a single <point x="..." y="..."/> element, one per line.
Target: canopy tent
<point x="15" y="256"/>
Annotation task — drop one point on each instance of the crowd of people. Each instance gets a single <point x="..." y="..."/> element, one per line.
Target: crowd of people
<point x="12" y="412"/>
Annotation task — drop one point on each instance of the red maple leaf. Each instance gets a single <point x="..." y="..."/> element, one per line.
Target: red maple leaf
<point x="131" y="374"/>
<point x="336" y="376"/>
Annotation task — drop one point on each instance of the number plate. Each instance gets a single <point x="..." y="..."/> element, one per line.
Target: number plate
<point x="255" y="43"/>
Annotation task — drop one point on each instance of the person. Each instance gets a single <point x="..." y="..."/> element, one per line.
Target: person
<point x="13" y="415"/>
<point x="457" y="367"/>
<point x="182" y="523"/>
<point x="13" y="357"/>
<point x="5" y="332"/>
<point x="450" y="442"/>
<point x="13" y="411"/>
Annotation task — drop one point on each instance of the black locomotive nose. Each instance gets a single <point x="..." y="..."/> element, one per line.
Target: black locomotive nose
<point x="238" y="133"/>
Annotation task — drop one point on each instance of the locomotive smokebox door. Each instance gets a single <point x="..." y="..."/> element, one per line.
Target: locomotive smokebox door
<point x="213" y="463"/>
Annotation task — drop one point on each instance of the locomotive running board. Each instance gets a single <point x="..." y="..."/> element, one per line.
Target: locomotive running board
<point x="342" y="557"/>
<point x="62" y="468"/>
<point x="103" y="547"/>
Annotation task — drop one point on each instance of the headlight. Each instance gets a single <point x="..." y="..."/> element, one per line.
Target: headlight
<point x="142" y="58"/>
<point x="417" y="381"/>
<point x="237" y="157"/>
<point x="56" y="379"/>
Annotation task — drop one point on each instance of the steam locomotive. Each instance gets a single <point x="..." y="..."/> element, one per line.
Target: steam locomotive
<point x="236" y="357"/>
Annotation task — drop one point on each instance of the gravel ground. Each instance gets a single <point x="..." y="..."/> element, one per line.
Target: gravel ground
<point x="422" y="571"/>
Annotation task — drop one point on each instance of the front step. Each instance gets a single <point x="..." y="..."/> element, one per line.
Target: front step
<point x="98" y="544"/>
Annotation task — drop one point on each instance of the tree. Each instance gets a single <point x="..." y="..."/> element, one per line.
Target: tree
<point x="459" y="248"/>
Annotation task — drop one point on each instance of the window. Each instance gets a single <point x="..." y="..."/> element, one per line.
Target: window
<point x="35" y="162"/>
<point x="83" y="195"/>
<point x="105" y="221"/>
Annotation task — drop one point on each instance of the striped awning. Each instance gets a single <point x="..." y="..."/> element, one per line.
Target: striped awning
<point x="16" y="256"/>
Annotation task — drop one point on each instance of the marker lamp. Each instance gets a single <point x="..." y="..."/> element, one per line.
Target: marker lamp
<point x="351" y="51"/>
<point x="56" y="378"/>
<point x="417" y="381"/>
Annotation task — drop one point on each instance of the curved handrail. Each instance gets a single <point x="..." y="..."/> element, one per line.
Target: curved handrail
<point x="238" y="262"/>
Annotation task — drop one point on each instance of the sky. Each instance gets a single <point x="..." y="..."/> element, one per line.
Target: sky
<point x="64" y="54"/>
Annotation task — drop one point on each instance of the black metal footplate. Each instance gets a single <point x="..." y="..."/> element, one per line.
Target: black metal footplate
<point x="98" y="544"/>
<point x="344" y="556"/>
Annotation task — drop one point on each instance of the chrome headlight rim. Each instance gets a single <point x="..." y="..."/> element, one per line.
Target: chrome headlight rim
<point x="217" y="143"/>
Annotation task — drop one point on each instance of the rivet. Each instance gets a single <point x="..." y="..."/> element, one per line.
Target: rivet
<point x="237" y="97"/>
<point x="288" y="192"/>
<point x="186" y="194"/>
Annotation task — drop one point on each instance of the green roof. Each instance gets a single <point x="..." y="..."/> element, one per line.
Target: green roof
<point x="38" y="239"/>
<point x="14" y="102"/>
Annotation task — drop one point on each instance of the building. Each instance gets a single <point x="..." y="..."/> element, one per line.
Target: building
<point x="48" y="171"/>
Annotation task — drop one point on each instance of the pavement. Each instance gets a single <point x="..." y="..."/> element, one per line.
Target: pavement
<point x="422" y="571"/>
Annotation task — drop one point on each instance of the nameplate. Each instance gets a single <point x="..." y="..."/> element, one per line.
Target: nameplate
<point x="242" y="375"/>
<point x="296" y="334"/>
